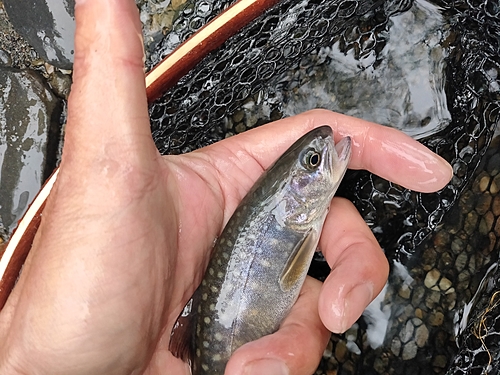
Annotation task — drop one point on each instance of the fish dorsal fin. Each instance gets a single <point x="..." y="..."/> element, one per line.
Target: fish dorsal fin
<point x="182" y="338"/>
<point x="298" y="262"/>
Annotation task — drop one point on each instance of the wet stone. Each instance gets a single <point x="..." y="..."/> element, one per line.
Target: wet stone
<point x="493" y="165"/>
<point x="436" y="318"/>
<point x="445" y="260"/>
<point x="431" y="279"/>
<point x="486" y="223"/>
<point x="457" y="246"/>
<point x="461" y="261"/>
<point x="444" y="284"/>
<point x="495" y="207"/>
<point x="238" y="116"/>
<point x="418" y="295"/>
<point x="404" y="291"/>
<point x="29" y="119"/>
<point x="341" y="352"/>
<point x="407" y="332"/>
<point x="440" y="361"/>
<point x="484" y="182"/>
<point x="497" y="227"/>
<point x="49" y="26"/>
<point x="380" y="364"/>
<point x="471" y="222"/>
<point x="240" y="128"/>
<point x="419" y="313"/>
<point x="60" y="83"/>
<point x="421" y="335"/>
<point x="483" y="203"/>
<point x="432" y="299"/>
<point x="409" y="351"/>
<point x="495" y="185"/>
<point x="396" y="346"/>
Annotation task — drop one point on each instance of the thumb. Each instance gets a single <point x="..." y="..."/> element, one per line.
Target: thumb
<point x="107" y="109"/>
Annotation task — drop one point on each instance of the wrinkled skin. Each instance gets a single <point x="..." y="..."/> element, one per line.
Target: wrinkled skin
<point x="126" y="234"/>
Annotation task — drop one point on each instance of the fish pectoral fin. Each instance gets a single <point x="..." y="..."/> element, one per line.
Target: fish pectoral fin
<point x="182" y="337"/>
<point x="299" y="261"/>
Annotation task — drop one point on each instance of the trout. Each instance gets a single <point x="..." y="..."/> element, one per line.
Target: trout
<point x="262" y="256"/>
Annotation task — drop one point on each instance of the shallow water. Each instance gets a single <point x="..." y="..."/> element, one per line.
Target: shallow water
<point x="402" y="87"/>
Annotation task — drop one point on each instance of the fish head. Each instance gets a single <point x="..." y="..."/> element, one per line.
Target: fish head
<point x="315" y="168"/>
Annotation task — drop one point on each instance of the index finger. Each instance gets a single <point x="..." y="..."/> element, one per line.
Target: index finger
<point x="384" y="151"/>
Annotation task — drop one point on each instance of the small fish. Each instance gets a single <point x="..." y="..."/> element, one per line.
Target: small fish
<point x="261" y="259"/>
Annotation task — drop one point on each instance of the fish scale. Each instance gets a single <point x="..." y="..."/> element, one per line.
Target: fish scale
<point x="260" y="260"/>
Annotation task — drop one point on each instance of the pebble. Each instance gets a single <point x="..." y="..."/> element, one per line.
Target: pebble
<point x="396" y="346"/>
<point x="431" y="279"/>
<point x="471" y="223"/>
<point x="486" y="223"/>
<point x="436" y="318"/>
<point x="461" y="261"/>
<point x="60" y="84"/>
<point x="484" y="182"/>
<point x="341" y="353"/>
<point x="409" y="351"/>
<point x="495" y="207"/>
<point x="445" y="284"/>
<point x="407" y="332"/>
<point x="440" y="362"/>
<point x="421" y="336"/>
<point x="497" y="227"/>
<point x="404" y="291"/>
<point x="495" y="185"/>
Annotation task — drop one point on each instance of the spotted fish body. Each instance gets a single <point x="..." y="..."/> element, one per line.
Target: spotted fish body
<point x="261" y="258"/>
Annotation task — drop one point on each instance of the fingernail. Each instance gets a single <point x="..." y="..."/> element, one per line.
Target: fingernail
<point x="266" y="367"/>
<point x="355" y="303"/>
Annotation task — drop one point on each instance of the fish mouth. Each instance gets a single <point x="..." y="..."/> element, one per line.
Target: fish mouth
<point x="340" y="163"/>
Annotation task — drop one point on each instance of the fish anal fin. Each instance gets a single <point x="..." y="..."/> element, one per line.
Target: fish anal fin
<point x="182" y="338"/>
<point x="299" y="261"/>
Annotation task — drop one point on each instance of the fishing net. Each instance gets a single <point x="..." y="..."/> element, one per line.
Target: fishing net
<point x="251" y="79"/>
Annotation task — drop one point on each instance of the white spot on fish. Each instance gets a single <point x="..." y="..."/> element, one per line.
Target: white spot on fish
<point x="211" y="271"/>
<point x="220" y="275"/>
<point x="204" y="296"/>
<point x="205" y="344"/>
<point x="212" y="307"/>
<point x="206" y="320"/>
<point x="216" y="357"/>
<point x="218" y="336"/>
<point x="204" y="366"/>
<point x="198" y="353"/>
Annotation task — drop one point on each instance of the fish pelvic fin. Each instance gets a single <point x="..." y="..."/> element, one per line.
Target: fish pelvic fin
<point x="182" y="337"/>
<point x="298" y="262"/>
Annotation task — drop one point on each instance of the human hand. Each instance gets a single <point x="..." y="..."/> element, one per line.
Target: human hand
<point x="126" y="234"/>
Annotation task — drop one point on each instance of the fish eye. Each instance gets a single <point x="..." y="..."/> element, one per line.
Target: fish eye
<point x="312" y="159"/>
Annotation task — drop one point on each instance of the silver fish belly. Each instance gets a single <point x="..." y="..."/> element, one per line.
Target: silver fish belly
<point x="261" y="258"/>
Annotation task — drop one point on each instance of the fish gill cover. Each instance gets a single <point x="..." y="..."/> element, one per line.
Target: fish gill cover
<point x="247" y="82"/>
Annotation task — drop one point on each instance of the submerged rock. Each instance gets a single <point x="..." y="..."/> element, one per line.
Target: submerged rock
<point x="29" y="123"/>
<point x="48" y="25"/>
